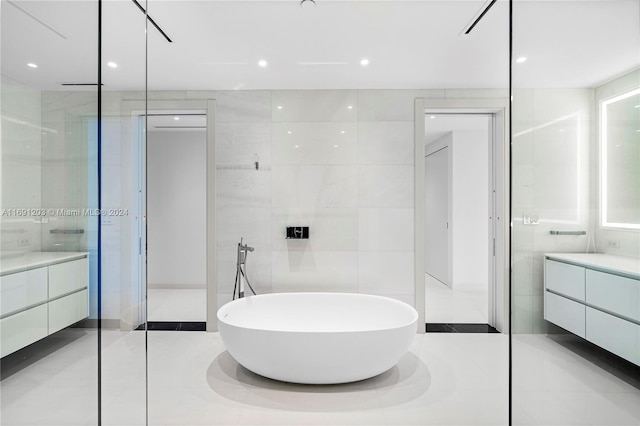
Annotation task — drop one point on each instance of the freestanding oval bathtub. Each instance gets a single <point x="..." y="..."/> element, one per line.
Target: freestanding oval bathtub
<point x="317" y="338"/>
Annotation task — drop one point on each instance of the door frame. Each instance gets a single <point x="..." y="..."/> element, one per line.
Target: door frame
<point x="135" y="308"/>
<point x="499" y="181"/>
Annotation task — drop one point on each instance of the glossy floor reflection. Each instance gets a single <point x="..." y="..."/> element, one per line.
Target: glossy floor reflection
<point x="445" y="379"/>
<point x="458" y="305"/>
<point x="187" y="304"/>
<point x="442" y="380"/>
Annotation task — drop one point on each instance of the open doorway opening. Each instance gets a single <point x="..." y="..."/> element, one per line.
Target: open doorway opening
<point x="176" y="217"/>
<point x="461" y="191"/>
<point x="457" y="217"/>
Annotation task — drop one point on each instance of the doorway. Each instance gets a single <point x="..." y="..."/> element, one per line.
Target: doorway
<point x="176" y="212"/>
<point x="173" y="204"/>
<point x="457" y="212"/>
<point x="460" y="213"/>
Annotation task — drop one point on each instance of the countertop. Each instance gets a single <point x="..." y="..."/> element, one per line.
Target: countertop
<point x="36" y="259"/>
<point x="628" y="266"/>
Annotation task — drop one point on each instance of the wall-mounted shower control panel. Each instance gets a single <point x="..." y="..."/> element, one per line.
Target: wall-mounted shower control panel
<point x="297" y="232"/>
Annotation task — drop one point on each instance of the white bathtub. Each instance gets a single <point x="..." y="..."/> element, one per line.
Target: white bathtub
<point x="317" y="338"/>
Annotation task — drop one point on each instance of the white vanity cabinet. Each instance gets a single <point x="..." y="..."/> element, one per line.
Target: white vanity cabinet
<point x="596" y="297"/>
<point x="41" y="293"/>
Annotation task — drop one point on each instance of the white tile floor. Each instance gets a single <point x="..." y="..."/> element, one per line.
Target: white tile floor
<point x="445" y="379"/>
<point x="177" y="304"/>
<point x="446" y="305"/>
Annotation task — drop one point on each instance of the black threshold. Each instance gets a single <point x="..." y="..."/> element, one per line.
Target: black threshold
<point x="174" y="326"/>
<point x="459" y="328"/>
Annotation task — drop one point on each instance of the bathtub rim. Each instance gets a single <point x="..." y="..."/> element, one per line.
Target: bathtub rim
<point x="404" y="305"/>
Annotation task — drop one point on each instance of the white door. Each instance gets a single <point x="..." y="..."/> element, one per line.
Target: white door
<point x="437" y="215"/>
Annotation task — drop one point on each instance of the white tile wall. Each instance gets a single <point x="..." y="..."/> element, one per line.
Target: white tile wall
<point x="385" y="229"/>
<point x="385" y="272"/>
<point x="315" y="143"/>
<point x="385" y="186"/>
<point x="243" y="187"/>
<point x="341" y="162"/>
<point x="315" y="186"/>
<point x="315" y="105"/>
<point x="312" y="270"/>
<point x="241" y="106"/>
<point x="391" y="105"/>
<point x="385" y="142"/>
<point x="238" y="143"/>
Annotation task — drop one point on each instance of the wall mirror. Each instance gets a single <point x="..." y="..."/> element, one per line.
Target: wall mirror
<point x="620" y="160"/>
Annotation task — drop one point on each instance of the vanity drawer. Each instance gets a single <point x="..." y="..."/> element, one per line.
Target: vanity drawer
<point x="614" y="334"/>
<point x="22" y="329"/>
<point x="67" y="277"/>
<point x="67" y="311"/>
<point x="22" y="289"/>
<point x="616" y="294"/>
<point x="565" y="313"/>
<point x="565" y="279"/>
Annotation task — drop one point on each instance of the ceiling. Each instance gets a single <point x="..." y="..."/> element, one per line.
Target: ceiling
<point x="410" y="44"/>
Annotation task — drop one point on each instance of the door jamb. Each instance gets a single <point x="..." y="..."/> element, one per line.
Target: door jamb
<point x="500" y="169"/>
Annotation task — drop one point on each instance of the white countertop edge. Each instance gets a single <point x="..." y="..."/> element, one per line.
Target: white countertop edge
<point x="629" y="266"/>
<point x="33" y="260"/>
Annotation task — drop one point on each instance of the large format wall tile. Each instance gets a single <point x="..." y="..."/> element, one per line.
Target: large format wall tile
<point x="243" y="106"/>
<point x="385" y="142"/>
<point x="239" y="143"/>
<point x="384" y="272"/>
<point x="313" y="187"/>
<point x="314" y="271"/>
<point x="314" y="105"/>
<point x="391" y="105"/>
<point x="385" y="186"/>
<point x="350" y="181"/>
<point x="315" y="143"/>
<point x="250" y="223"/>
<point x="243" y="187"/>
<point x="385" y="229"/>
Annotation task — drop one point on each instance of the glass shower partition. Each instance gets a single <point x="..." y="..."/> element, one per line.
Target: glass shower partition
<point x="49" y="258"/>
<point x="575" y="246"/>
<point x="123" y="134"/>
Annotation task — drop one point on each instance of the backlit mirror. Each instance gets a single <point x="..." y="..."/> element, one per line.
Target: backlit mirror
<point x="620" y="160"/>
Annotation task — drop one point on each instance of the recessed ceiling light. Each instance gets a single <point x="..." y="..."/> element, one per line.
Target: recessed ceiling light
<point x="351" y="107"/>
<point x="289" y="132"/>
<point x="32" y="65"/>
<point x="432" y="117"/>
<point x="637" y="106"/>
<point x="521" y="59"/>
<point x="296" y="146"/>
<point x="262" y="63"/>
<point x="279" y="107"/>
<point x="335" y="146"/>
<point x="364" y="62"/>
<point x="342" y="131"/>
<point x="176" y="118"/>
<point x="112" y="65"/>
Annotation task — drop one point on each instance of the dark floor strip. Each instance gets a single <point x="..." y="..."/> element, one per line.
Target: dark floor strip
<point x="459" y="328"/>
<point x="174" y="326"/>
